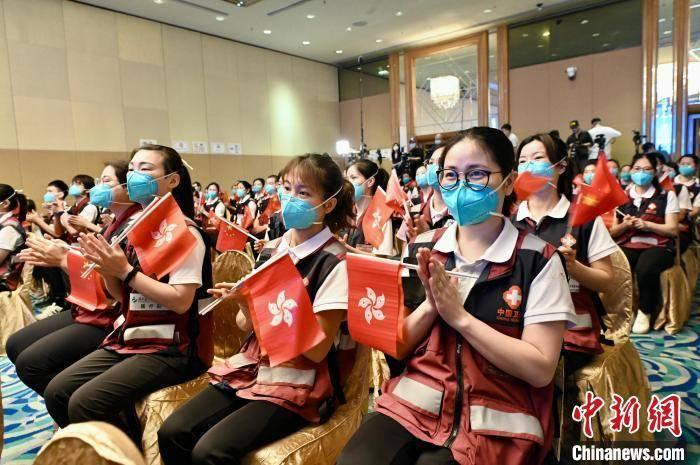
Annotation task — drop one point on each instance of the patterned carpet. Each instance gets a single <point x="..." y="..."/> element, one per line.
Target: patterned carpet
<point x="672" y="362"/>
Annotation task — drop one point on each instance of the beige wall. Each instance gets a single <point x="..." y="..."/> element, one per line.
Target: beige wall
<point x="607" y="85"/>
<point x="377" y="121"/>
<point x="79" y="85"/>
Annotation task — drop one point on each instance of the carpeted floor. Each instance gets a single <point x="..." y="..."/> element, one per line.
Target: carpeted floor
<point x="672" y="363"/>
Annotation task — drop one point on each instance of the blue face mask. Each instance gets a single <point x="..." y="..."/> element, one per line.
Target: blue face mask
<point x="270" y="189"/>
<point x="359" y="191"/>
<point x="75" y="190"/>
<point x="141" y="186"/>
<point x="626" y="176"/>
<point x="642" y="179"/>
<point x="211" y="195"/>
<point x="240" y="193"/>
<point x="299" y="213"/>
<point x="588" y="178"/>
<point x="468" y="206"/>
<point x="49" y="197"/>
<point x="406" y="180"/>
<point x="101" y="196"/>
<point x="280" y="191"/>
<point x="432" y="176"/>
<point x="256" y="189"/>
<point x="672" y="174"/>
<point x="422" y="180"/>
<point x="686" y="170"/>
<point x="538" y="168"/>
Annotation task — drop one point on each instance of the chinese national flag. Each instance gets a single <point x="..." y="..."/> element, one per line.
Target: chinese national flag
<point x="604" y="194"/>
<point x="374" y="219"/>
<point x="396" y="197"/>
<point x="527" y="184"/>
<point x="273" y="205"/>
<point x="161" y="237"/>
<point x="666" y="183"/>
<point x="230" y="238"/>
<point x="281" y="310"/>
<point x="375" y="302"/>
<point x="87" y="292"/>
<point x="246" y="221"/>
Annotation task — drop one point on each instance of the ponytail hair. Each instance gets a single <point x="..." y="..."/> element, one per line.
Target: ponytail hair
<point x="368" y="169"/>
<point x="172" y="163"/>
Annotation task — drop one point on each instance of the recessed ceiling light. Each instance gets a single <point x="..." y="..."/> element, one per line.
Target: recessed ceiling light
<point x="540" y="46"/>
<point x="525" y="34"/>
<point x="382" y="72"/>
<point x="267" y="31"/>
<point x="488" y="10"/>
<point x="348" y="29"/>
<point x="667" y="33"/>
<point x="338" y="52"/>
<point x="554" y="54"/>
<point x="159" y="2"/>
<point x="379" y="41"/>
<point x="310" y="16"/>
<point x="545" y="34"/>
<point x="606" y="44"/>
<point x="584" y="21"/>
<point x="662" y="20"/>
<point x="595" y="34"/>
<point x="399" y="13"/>
<point x="305" y="42"/>
<point x="220" y="18"/>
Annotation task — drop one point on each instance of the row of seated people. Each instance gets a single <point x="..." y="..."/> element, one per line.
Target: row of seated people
<point x="471" y="385"/>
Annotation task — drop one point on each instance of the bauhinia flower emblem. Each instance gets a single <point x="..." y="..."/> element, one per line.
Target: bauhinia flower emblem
<point x="282" y="310"/>
<point x="164" y="233"/>
<point x="373" y="305"/>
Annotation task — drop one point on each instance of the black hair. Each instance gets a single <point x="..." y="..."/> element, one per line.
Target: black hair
<point x="671" y="164"/>
<point x="554" y="133"/>
<point x="590" y="163"/>
<point x="172" y="163"/>
<point x="646" y="146"/>
<point x="368" y="168"/>
<point x="507" y="126"/>
<point x="218" y="189"/>
<point x="23" y="204"/>
<point x="262" y="181"/>
<point x="654" y="164"/>
<point x="692" y="157"/>
<point x="556" y="151"/>
<point x="197" y="183"/>
<point x="246" y="184"/>
<point x="60" y="185"/>
<point x="595" y="120"/>
<point x="31" y="205"/>
<point x="323" y="173"/>
<point x="88" y="182"/>
<point x="276" y="176"/>
<point x="497" y="145"/>
<point x="6" y="194"/>
<point x="617" y="163"/>
<point x="121" y="167"/>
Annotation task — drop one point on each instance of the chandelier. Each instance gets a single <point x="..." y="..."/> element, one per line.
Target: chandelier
<point x="444" y="91"/>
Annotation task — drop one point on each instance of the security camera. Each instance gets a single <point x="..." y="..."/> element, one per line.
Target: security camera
<point x="540" y="6"/>
<point x="571" y="72"/>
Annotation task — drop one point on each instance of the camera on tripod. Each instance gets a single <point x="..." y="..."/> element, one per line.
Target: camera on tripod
<point x="600" y="141"/>
<point x="638" y="139"/>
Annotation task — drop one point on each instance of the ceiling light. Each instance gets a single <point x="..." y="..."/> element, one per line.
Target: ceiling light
<point x="305" y="42"/>
<point x="267" y="32"/>
<point x="595" y="34"/>
<point x="606" y="44"/>
<point x="399" y="13"/>
<point x="379" y="41"/>
<point x="662" y="20"/>
<point x="667" y="33"/>
<point x="220" y="18"/>
<point x="310" y="16"/>
<point x="383" y="72"/>
<point x="584" y="21"/>
<point x="540" y="46"/>
<point x="697" y="5"/>
<point x="545" y="34"/>
<point x="554" y="54"/>
<point x="525" y="34"/>
<point x="159" y="2"/>
<point x="348" y="29"/>
<point x="488" y="10"/>
<point x="338" y="52"/>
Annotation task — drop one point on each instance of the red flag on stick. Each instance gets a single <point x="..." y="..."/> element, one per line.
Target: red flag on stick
<point x="396" y="197"/>
<point x="161" y="237"/>
<point x="604" y="194"/>
<point x="375" y="302"/>
<point x="273" y="205"/>
<point x="375" y="217"/>
<point x="281" y="310"/>
<point x="527" y="184"/>
<point x="666" y="183"/>
<point x="86" y="292"/>
<point x="230" y="238"/>
<point x="245" y="221"/>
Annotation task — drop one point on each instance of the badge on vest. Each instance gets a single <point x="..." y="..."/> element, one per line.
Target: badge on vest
<point x="574" y="286"/>
<point x="138" y="303"/>
<point x="652" y="208"/>
<point x="513" y="297"/>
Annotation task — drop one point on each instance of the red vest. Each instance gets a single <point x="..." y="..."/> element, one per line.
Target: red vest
<point x="451" y="396"/>
<point x="10" y="272"/>
<point x="652" y="209"/>
<point x="75" y="210"/>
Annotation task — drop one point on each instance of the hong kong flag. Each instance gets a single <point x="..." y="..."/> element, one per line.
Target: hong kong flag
<point x="161" y="238"/>
<point x="396" y="197"/>
<point x="230" y="238"/>
<point x="86" y="292"/>
<point x="375" y="302"/>
<point x="375" y="217"/>
<point x="281" y="310"/>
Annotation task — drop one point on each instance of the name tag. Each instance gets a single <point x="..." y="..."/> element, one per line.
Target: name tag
<point x="574" y="286"/>
<point x="139" y="302"/>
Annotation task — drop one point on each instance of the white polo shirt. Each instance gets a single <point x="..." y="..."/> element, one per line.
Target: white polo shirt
<point x="333" y="293"/>
<point x="600" y="244"/>
<point x="549" y="298"/>
<point x="671" y="199"/>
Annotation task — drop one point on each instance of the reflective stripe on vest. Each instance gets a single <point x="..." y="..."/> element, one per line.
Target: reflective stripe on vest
<point x="418" y="394"/>
<point x="483" y="418"/>
<point x="119" y="321"/>
<point x="286" y="375"/>
<point x="240" y="360"/>
<point x="582" y="320"/>
<point x="160" y="332"/>
<point x="644" y="240"/>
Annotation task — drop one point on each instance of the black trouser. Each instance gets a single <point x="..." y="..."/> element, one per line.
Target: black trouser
<point x="218" y="427"/>
<point x="647" y="265"/>
<point x="43" y="349"/>
<point x="105" y="385"/>
<point x="383" y="441"/>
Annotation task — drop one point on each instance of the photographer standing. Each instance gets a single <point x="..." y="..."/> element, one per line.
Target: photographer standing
<point x="609" y="134"/>
<point x="579" y="143"/>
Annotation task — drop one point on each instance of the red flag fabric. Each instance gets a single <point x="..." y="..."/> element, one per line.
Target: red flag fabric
<point x="527" y="184"/>
<point x="375" y="217"/>
<point x="246" y="221"/>
<point x="230" y="238"/>
<point x="604" y="194"/>
<point x="89" y="292"/>
<point x="273" y="205"/>
<point x="375" y="302"/>
<point x="281" y="310"/>
<point x="161" y="237"/>
<point x="666" y="183"/>
<point x="213" y="219"/>
<point x="396" y="197"/>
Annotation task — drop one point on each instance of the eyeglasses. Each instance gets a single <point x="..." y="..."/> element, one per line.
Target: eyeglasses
<point x="638" y="169"/>
<point x="477" y="179"/>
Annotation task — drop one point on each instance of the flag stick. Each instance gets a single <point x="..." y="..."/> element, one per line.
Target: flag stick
<point x="241" y="230"/>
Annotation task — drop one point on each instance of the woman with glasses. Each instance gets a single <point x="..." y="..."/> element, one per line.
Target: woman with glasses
<point x="645" y="228"/>
<point x="480" y="350"/>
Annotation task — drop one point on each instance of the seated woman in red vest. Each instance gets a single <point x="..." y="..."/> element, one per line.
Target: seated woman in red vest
<point x="482" y="351"/>
<point x="160" y="342"/>
<point x="646" y="231"/>
<point x="244" y="209"/>
<point x="12" y="237"/>
<point x="43" y="349"/>
<point x="255" y="404"/>
<point x="546" y="215"/>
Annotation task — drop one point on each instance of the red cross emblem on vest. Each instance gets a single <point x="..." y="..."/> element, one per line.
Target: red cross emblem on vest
<point x="513" y="297"/>
<point x="652" y="206"/>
